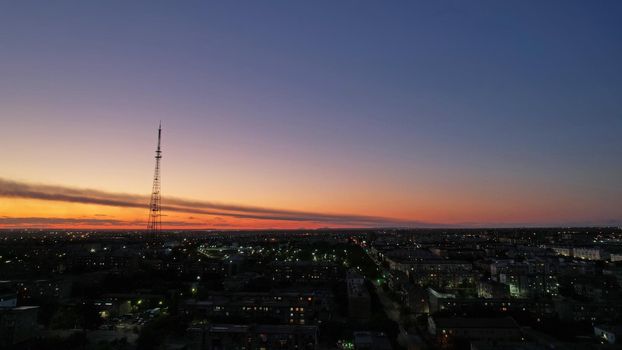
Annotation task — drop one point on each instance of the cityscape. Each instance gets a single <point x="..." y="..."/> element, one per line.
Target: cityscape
<point x="329" y="175"/>
<point x="318" y="289"/>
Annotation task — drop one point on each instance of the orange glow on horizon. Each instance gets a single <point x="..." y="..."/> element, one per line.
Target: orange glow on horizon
<point x="18" y="213"/>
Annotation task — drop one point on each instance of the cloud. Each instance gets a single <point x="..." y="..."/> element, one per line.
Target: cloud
<point x="16" y="189"/>
<point x="50" y="221"/>
<point x="45" y="221"/>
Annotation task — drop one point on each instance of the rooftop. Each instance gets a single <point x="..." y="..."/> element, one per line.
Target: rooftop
<point x="463" y="322"/>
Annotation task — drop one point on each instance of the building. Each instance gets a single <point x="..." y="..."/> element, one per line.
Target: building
<point x="371" y="341"/>
<point x="254" y="337"/>
<point x="36" y="291"/>
<point x="615" y="257"/>
<point x="17" y="325"/>
<point x="436" y="299"/>
<point x="276" y="306"/>
<point x="359" y="300"/>
<point x="446" y="329"/>
<point x="530" y="285"/>
<point x="8" y="299"/>
<point x="492" y="289"/>
<point x="305" y="271"/>
<point x="450" y="303"/>
<point x="590" y="253"/>
<point x="563" y="251"/>
<point x="570" y="309"/>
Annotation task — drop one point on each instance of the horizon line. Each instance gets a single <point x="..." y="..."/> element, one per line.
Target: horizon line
<point x="320" y="228"/>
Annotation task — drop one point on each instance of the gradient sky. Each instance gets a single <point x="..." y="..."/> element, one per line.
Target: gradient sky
<point x="416" y="113"/>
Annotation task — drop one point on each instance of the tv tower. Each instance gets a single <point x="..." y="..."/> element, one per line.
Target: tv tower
<point x="155" y="211"/>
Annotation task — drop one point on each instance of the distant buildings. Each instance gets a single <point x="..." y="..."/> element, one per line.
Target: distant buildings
<point x="305" y="271"/>
<point x="588" y="253"/>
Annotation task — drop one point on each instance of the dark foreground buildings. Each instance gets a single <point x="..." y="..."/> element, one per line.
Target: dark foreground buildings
<point x="350" y="289"/>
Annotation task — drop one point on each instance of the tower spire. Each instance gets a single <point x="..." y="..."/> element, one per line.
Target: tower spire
<point x="159" y="135"/>
<point x="155" y="210"/>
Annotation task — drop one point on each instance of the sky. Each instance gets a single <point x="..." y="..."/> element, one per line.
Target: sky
<point x="306" y="114"/>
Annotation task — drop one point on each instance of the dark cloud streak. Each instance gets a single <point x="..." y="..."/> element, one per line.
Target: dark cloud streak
<point x="15" y="189"/>
<point x="47" y="221"/>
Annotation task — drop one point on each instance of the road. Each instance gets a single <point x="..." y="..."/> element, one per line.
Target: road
<point x="392" y="309"/>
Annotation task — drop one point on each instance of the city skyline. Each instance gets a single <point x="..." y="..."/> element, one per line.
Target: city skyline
<point x="307" y="116"/>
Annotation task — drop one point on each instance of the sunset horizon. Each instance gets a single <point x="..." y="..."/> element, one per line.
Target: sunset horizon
<point x="233" y="217"/>
<point x="101" y="209"/>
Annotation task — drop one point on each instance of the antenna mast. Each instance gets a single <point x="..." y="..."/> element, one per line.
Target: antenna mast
<point x="155" y="210"/>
